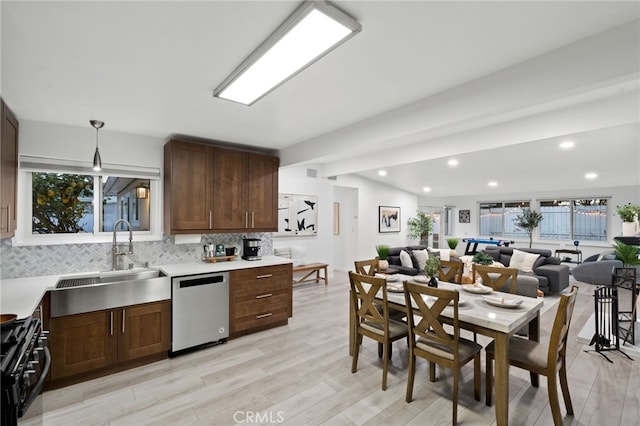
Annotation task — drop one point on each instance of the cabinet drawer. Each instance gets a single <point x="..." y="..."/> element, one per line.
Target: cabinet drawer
<point x="249" y="322"/>
<point x="251" y="306"/>
<point x="267" y="277"/>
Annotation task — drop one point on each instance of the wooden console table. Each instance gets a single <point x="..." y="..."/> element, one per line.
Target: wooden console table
<point x="310" y="269"/>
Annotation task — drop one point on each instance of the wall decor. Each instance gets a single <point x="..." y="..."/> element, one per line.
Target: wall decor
<point x="388" y="219"/>
<point x="336" y="218"/>
<point x="464" y="216"/>
<point x="297" y="215"/>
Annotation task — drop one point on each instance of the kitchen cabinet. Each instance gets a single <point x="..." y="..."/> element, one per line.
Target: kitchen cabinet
<point x="8" y="171"/>
<point x="209" y="189"/>
<point x="94" y="341"/>
<point x="245" y="191"/>
<point x="260" y="298"/>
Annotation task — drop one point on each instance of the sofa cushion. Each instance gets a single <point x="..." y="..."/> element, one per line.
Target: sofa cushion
<point x="405" y="259"/>
<point x="523" y="261"/>
<point x="421" y="256"/>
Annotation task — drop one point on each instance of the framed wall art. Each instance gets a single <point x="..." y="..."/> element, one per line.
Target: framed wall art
<point x="464" y="216"/>
<point x="297" y="215"/>
<point x="388" y="219"/>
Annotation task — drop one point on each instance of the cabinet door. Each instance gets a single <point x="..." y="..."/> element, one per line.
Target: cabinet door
<point x="229" y="204"/>
<point x="188" y="187"/>
<point x="144" y="330"/>
<point x="262" y="192"/>
<point x="82" y="343"/>
<point x="8" y="172"/>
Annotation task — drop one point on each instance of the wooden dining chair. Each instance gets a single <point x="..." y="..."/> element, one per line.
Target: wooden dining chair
<point x="499" y="279"/>
<point x="372" y="319"/>
<point x="450" y="271"/>
<point x="547" y="360"/>
<point x="429" y="340"/>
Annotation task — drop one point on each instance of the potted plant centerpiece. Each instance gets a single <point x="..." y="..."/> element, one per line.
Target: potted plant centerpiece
<point x="628" y="214"/>
<point x="383" y="254"/>
<point x="431" y="270"/>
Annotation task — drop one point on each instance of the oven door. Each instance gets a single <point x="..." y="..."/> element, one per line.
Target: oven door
<point x="30" y="407"/>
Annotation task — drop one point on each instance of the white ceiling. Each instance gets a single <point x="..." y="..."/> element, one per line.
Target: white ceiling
<point x="424" y="81"/>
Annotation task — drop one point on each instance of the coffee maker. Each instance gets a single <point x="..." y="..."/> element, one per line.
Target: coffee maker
<point x="251" y="249"/>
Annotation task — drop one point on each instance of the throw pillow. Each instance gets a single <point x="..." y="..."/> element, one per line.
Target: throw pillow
<point x="405" y="259"/>
<point x="523" y="261"/>
<point x="421" y="256"/>
<point x="445" y="254"/>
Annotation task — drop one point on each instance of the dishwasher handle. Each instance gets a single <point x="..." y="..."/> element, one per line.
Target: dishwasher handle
<point x="195" y="282"/>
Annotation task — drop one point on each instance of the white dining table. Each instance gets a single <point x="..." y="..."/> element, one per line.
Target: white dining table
<point x="477" y="315"/>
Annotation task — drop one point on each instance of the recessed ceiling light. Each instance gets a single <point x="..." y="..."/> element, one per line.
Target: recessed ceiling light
<point x="453" y="162"/>
<point x="493" y="183"/>
<point x="382" y="173"/>
<point x="426" y="189"/>
<point x="591" y="175"/>
<point x="567" y="145"/>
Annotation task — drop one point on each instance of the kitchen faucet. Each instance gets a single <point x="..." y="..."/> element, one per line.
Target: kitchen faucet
<point x="114" y="250"/>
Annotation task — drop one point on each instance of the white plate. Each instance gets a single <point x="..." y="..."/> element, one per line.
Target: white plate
<point x="395" y="288"/>
<point x="389" y="278"/>
<point x="502" y="302"/>
<point x="477" y="288"/>
<point x="421" y="279"/>
<point x="461" y="301"/>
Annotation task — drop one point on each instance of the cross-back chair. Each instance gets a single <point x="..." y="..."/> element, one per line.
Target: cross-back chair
<point x="372" y="318"/>
<point x="429" y="340"/>
<point x="499" y="279"/>
<point x="547" y="360"/>
<point x="450" y="271"/>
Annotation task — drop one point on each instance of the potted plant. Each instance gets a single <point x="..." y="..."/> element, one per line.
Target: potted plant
<point x="383" y="254"/>
<point x="482" y="258"/>
<point x="452" y="243"/>
<point x="420" y="227"/>
<point x="528" y="220"/>
<point x="431" y="270"/>
<point x="627" y="253"/>
<point x="628" y="214"/>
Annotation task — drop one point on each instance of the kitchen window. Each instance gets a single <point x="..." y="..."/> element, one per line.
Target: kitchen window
<point x="67" y="203"/>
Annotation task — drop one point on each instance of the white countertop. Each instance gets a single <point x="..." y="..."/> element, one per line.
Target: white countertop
<point x="21" y="296"/>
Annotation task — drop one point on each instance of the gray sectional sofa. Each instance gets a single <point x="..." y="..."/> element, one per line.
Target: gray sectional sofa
<point x="551" y="275"/>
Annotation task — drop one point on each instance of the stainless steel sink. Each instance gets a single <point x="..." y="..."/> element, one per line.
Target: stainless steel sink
<point x="107" y="290"/>
<point x="109" y="277"/>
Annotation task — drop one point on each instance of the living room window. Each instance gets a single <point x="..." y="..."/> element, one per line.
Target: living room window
<point x="496" y="219"/>
<point x="574" y="219"/>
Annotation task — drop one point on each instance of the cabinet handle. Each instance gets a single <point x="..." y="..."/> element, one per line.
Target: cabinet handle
<point x="210" y="219"/>
<point x="123" y="314"/>
<point x="111" y="323"/>
<point x="6" y="228"/>
<point x="262" y="296"/>
<point x="253" y="225"/>
<point x="259" y="277"/>
<point x="264" y="315"/>
<point x="246" y="219"/>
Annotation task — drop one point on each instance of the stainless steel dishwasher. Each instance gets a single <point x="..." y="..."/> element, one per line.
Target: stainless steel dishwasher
<point x="200" y="308"/>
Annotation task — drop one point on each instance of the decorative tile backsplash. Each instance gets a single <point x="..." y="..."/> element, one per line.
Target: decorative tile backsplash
<point x="31" y="261"/>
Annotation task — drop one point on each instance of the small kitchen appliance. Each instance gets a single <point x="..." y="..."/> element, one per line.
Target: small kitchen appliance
<point x="251" y="249"/>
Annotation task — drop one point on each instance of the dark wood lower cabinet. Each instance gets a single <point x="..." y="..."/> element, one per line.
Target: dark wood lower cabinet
<point x="101" y="341"/>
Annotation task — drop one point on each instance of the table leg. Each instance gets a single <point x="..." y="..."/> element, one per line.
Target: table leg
<point x="534" y="334"/>
<point x="502" y="378"/>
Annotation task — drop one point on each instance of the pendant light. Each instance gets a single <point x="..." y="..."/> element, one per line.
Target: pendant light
<point x="97" y="161"/>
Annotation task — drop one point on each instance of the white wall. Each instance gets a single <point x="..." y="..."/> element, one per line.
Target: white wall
<point x="617" y="196"/>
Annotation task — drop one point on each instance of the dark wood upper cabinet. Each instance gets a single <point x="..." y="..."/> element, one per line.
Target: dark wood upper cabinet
<point x="8" y="172"/>
<point x="211" y="189"/>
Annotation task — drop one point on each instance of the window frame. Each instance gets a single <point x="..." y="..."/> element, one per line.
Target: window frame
<point x="571" y="216"/>
<point x="28" y="165"/>
<point x="503" y="206"/>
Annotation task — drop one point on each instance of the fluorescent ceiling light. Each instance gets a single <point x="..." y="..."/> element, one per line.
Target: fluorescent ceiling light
<point x="312" y="31"/>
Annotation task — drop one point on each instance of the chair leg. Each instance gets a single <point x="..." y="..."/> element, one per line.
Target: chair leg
<point x="410" y="377"/>
<point x="488" y="380"/>
<point x="385" y="366"/>
<point x="564" y="385"/>
<point x="380" y="348"/>
<point x="476" y="377"/>
<point x="456" y="378"/>
<point x="552" y="386"/>
<point x="389" y="350"/>
<point x="356" y="351"/>
<point x="432" y="371"/>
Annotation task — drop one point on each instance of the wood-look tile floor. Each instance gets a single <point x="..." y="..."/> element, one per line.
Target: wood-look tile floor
<point x="301" y="374"/>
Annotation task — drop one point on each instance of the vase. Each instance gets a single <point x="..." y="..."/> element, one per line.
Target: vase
<point x="383" y="265"/>
<point x="433" y="282"/>
<point x="629" y="229"/>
